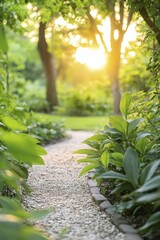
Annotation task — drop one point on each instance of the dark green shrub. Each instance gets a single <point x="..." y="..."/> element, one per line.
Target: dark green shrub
<point x="127" y="153"/>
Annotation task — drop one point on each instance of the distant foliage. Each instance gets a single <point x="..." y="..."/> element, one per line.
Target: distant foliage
<point x="84" y="101"/>
<point x="46" y="131"/>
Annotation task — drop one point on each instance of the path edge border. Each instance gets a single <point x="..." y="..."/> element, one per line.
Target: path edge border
<point x="117" y="219"/>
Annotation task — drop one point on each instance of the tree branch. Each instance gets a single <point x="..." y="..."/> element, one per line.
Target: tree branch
<point x="143" y="12"/>
<point x="96" y="30"/>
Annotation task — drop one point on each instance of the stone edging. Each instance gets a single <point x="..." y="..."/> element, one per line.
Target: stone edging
<point x="119" y="221"/>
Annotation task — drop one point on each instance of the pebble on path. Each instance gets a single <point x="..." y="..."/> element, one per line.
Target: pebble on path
<point x="57" y="187"/>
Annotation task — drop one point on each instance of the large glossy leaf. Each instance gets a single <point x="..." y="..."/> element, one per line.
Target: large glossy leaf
<point x="114" y="175"/>
<point x="87" y="168"/>
<point x="131" y="166"/>
<point x="89" y="160"/>
<point x="96" y="137"/>
<point x="149" y="171"/>
<point x="105" y="158"/>
<point x="148" y="198"/>
<point x="150" y="185"/>
<point x="23" y="147"/>
<point x="117" y="159"/>
<point x="134" y="124"/>
<point x="87" y="151"/>
<point x="119" y="123"/>
<point x="12" y="123"/>
<point x="125" y="104"/>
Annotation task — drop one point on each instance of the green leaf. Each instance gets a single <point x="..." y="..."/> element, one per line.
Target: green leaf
<point x="105" y="158"/>
<point x="12" y="123"/>
<point x="125" y="104"/>
<point x="93" y="144"/>
<point x="149" y="171"/>
<point x="87" y="151"/>
<point x="131" y="166"/>
<point x="150" y="185"/>
<point x="96" y="137"/>
<point x="119" y="123"/>
<point x="113" y="175"/>
<point x="154" y="219"/>
<point x="89" y="160"/>
<point x="148" y="198"/>
<point x="23" y="147"/>
<point x="134" y="124"/>
<point x="142" y="135"/>
<point x="117" y="159"/>
<point x="88" y="168"/>
<point x="141" y="145"/>
<point x="3" y="41"/>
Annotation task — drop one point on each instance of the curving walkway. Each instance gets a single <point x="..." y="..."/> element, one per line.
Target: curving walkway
<point x="74" y="215"/>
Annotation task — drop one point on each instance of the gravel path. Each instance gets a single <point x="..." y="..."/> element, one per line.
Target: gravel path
<point x="74" y="215"/>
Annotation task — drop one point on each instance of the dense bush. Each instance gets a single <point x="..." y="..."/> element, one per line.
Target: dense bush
<point x="127" y="154"/>
<point x="31" y="93"/>
<point x="18" y="152"/>
<point x="84" y="101"/>
<point x="46" y="131"/>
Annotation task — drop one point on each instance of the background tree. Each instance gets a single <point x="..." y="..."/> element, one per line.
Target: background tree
<point x="120" y="19"/>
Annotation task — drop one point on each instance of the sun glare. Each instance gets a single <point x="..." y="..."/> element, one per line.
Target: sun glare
<point x="93" y="58"/>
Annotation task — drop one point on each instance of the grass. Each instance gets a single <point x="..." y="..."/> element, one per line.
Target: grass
<point x="77" y="123"/>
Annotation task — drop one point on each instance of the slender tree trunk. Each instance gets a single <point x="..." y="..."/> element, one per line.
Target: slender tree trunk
<point x="49" y="67"/>
<point x="113" y="68"/>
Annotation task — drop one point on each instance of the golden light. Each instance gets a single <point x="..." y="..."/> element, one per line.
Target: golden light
<point x="93" y="58"/>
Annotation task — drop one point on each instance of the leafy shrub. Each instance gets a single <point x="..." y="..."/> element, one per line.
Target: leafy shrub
<point x="18" y="151"/>
<point x="127" y="153"/>
<point x="31" y="93"/>
<point x="46" y="131"/>
<point x="82" y="102"/>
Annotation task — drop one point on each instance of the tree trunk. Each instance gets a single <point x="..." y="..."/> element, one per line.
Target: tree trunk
<point x="113" y="68"/>
<point x="49" y="67"/>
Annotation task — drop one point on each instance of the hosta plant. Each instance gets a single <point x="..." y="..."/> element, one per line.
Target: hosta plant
<point x="127" y="153"/>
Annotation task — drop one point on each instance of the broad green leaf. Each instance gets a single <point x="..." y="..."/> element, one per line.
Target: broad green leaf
<point x="93" y="144"/>
<point x="12" y="123"/>
<point x="148" y="198"/>
<point x="23" y="147"/>
<point x="150" y="185"/>
<point x="154" y="219"/>
<point x="119" y="123"/>
<point x="97" y="138"/>
<point x="89" y="160"/>
<point x="142" y="135"/>
<point x="105" y="158"/>
<point x="121" y="187"/>
<point x="113" y="175"/>
<point x="148" y="171"/>
<point x="87" y="151"/>
<point x="141" y="145"/>
<point x="125" y="104"/>
<point x="131" y="166"/>
<point x="88" y="168"/>
<point x="117" y="159"/>
<point x="3" y="41"/>
<point x="134" y="124"/>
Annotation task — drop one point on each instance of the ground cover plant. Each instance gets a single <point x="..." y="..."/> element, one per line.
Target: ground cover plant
<point x="46" y="130"/>
<point x="127" y="154"/>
